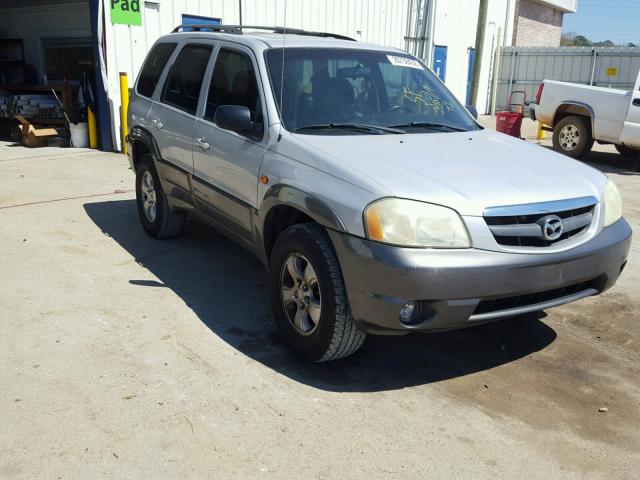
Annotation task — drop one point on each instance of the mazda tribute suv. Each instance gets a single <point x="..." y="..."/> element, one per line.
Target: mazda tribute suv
<point x="372" y="196"/>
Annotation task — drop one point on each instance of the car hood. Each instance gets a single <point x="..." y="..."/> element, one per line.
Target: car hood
<point x="467" y="171"/>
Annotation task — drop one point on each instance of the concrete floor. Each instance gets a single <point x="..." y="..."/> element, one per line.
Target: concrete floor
<point x="127" y="357"/>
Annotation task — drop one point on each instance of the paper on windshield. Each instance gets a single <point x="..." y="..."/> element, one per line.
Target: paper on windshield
<point x="404" y="62"/>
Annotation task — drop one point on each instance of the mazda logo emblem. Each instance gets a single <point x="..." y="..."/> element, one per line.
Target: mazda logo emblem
<point x="552" y="227"/>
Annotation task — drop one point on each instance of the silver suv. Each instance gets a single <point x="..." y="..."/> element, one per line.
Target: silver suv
<point x="373" y="197"/>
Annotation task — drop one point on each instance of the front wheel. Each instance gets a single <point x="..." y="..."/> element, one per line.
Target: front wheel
<point x="627" y="151"/>
<point x="572" y="137"/>
<point x="308" y="296"/>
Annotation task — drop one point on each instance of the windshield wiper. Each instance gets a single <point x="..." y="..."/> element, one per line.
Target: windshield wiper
<point x="350" y="126"/>
<point x="435" y="125"/>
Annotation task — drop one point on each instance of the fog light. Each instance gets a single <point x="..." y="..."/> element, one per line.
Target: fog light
<point x="409" y="312"/>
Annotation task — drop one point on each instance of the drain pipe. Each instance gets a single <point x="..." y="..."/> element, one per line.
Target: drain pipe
<point x="408" y="46"/>
<point x="433" y="7"/>
<point x="477" y="64"/>
<point x="424" y="28"/>
<point x="496" y="72"/>
<point x="506" y="23"/>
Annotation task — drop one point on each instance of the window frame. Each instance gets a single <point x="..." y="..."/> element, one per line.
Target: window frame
<point x="161" y="77"/>
<point x="165" y="84"/>
<point x="243" y="49"/>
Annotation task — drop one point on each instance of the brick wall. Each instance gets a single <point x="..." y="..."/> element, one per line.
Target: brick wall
<point x="537" y="25"/>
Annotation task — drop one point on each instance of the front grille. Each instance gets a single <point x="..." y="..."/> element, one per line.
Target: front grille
<point x="526" y="230"/>
<point x="498" y="304"/>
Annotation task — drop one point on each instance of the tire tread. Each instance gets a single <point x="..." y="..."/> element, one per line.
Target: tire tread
<point x="346" y="338"/>
<point x="584" y="147"/>
<point x="172" y="222"/>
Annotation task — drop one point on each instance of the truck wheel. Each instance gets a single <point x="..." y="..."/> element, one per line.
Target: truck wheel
<point x="572" y="137"/>
<point x="153" y="208"/>
<point x="308" y="296"/>
<point x="627" y="151"/>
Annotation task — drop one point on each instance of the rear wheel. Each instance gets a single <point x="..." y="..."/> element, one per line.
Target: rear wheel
<point x="627" y="151"/>
<point x="572" y="137"/>
<point x="153" y="208"/>
<point x="308" y="296"/>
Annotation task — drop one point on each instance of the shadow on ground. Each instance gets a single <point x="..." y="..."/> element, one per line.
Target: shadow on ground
<point x="614" y="163"/>
<point x="611" y="162"/>
<point x="225" y="286"/>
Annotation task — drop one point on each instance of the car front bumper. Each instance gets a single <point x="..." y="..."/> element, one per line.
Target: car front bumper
<point x="460" y="288"/>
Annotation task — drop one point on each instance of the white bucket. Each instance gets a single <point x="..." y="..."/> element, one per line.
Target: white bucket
<point x="79" y="135"/>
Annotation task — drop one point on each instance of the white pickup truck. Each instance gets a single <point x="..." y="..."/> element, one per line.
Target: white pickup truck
<point x="581" y="114"/>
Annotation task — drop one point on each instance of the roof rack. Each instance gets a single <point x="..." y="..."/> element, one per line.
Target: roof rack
<point x="238" y="30"/>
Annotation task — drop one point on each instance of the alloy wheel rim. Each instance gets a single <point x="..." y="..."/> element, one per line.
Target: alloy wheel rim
<point x="300" y="294"/>
<point x="569" y="137"/>
<point x="148" y="196"/>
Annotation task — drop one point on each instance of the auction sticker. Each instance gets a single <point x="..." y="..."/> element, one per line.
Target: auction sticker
<point x="404" y="62"/>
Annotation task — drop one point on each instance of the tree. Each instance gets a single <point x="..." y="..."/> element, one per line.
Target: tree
<point x="568" y="39"/>
<point x="572" y="39"/>
<point x="581" y="41"/>
<point x="606" y="43"/>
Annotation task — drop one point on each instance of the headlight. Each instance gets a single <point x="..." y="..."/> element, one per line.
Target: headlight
<point x="612" y="203"/>
<point x="414" y="224"/>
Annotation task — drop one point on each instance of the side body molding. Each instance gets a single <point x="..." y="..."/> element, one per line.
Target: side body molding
<point x="178" y="184"/>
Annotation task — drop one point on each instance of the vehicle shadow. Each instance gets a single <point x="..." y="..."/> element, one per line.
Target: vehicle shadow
<point x="611" y="162"/>
<point x="225" y="287"/>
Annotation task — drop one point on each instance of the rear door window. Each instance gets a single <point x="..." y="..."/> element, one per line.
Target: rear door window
<point x="182" y="87"/>
<point x="153" y="67"/>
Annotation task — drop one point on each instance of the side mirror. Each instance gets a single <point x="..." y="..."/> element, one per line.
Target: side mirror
<point x="473" y="111"/>
<point x="237" y="119"/>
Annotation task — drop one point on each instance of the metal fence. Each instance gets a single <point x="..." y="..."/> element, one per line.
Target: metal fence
<point x="524" y="68"/>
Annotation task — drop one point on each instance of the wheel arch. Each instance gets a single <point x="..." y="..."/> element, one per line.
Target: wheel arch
<point x="142" y="142"/>
<point x="283" y="206"/>
<point x="571" y="107"/>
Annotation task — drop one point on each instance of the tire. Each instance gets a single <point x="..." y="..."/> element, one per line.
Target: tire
<point x="627" y="151"/>
<point x="332" y="333"/>
<point x="572" y="137"/>
<point x="163" y="223"/>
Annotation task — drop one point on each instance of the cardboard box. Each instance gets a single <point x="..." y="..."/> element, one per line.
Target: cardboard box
<point x="33" y="136"/>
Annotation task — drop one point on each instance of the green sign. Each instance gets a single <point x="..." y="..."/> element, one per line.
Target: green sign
<point x="126" y="12"/>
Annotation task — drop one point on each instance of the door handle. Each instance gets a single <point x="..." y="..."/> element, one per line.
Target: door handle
<point x="157" y="123"/>
<point x="636" y="102"/>
<point x="202" y="143"/>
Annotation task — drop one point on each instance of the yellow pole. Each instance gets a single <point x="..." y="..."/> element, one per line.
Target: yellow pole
<point x="93" y="130"/>
<point x="124" y="106"/>
<point x="540" y="131"/>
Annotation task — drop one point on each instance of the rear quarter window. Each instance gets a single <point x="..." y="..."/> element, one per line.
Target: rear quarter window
<point x="153" y="67"/>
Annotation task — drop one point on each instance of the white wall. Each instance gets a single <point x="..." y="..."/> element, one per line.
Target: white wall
<point x="568" y="6"/>
<point x="376" y="21"/>
<point x="455" y="28"/>
<point x="34" y="23"/>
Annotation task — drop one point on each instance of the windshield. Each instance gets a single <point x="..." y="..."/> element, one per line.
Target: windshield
<point x="350" y="92"/>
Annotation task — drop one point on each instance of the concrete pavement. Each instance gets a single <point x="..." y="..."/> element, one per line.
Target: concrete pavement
<point x="128" y="357"/>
